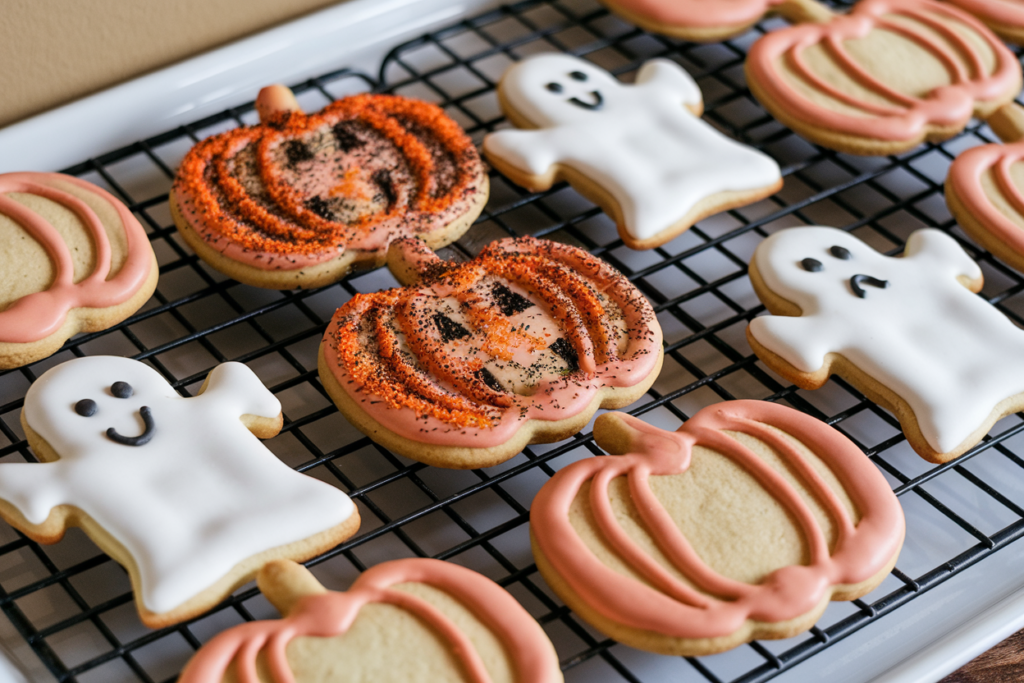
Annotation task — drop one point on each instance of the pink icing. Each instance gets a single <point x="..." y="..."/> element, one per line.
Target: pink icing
<point x="700" y="13"/>
<point x="907" y="117"/>
<point x="40" y="314"/>
<point x="329" y="614"/>
<point x="1007" y="12"/>
<point x="676" y="610"/>
<point x="965" y="180"/>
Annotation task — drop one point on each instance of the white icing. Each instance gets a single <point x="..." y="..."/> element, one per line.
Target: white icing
<point x="642" y="146"/>
<point x="947" y="352"/>
<point x="203" y="495"/>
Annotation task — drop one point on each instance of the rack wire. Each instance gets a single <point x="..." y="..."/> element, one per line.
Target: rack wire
<point x="71" y="606"/>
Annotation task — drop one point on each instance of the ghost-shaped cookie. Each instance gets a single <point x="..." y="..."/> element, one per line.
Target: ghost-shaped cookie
<point x="178" y="490"/>
<point x="640" y="151"/>
<point x="907" y="331"/>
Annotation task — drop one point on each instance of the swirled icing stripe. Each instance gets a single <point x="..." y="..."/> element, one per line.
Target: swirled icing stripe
<point x="40" y="314"/>
<point x="588" y="327"/>
<point x="718" y="606"/>
<point x="396" y="166"/>
<point x="330" y="614"/>
<point x="907" y="116"/>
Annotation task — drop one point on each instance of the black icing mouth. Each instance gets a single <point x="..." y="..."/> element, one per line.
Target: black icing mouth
<point x="143" y="438"/>
<point x="594" y="106"/>
<point x="857" y="280"/>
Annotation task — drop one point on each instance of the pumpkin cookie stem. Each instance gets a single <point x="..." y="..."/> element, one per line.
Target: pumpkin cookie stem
<point x="410" y="258"/>
<point x="805" y="12"/>
<point x="275" y="99"/>
<point x="284" y="583"/>
<point x="1008" y="122"/>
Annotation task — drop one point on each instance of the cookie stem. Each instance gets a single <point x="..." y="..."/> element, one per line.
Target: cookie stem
<point x="805" y="12"/>
<point x="275" y="99"/>
<point x="1008" y="122"/>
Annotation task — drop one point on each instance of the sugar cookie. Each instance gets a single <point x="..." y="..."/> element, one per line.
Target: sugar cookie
<point x="404" y="621"/>
<point x="72" y="259"/>
<point x="299" y="200"/>
<point x="178" y="490"/>
<point x="908" y="332"/>
<point x="639" y="151"/>
<point x="742" y="524"/>
<point x="469" y="363"/>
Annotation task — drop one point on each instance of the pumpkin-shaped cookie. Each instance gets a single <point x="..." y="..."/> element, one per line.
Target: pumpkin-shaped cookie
<point x="742" y="524"/>
<point x="299" y="200"/>
<point x="885" y="77"/>
<point x="72" y="259"/>
<point x="1005" y="17"/>
<point x="404" y="621"/>
<point x="470" y="362"/>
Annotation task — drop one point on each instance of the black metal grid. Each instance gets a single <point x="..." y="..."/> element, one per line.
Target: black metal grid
<point x="72" y="605"/>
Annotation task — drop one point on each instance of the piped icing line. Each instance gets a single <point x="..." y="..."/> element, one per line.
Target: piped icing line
<point x="907" y="117"/>
<point x="330" y="614"/>
<point x="40" y="314"/>
<point x="965" y="180"/>
<point x="430" y="395"/>
<point x="270" y="222"/>
<point x="721" y="605"/>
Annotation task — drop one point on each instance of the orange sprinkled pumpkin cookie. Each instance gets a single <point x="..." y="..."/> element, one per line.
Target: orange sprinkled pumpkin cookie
<point x="299" y="200"/>
<point x="470" y="362"/>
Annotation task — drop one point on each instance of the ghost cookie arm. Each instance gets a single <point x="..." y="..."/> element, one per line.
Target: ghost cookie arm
<point x="664" y="74"/>
<point x="939" y="253"/>
<point x="795" y="347"/>
<point x="235" y="385"/>
<point x="528" y="157"/>
<point x="29" y="492"/>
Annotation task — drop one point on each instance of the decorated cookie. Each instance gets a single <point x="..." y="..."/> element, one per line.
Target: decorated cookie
<point x="639" y="151"/>
<point x="299" y="200"/>
<point x="741" y="525"/>
<point x="72" y="259"/>
<point x="908" y="332"/>
<point x="885" y="77"/>
<point x="180" y="491"/>
<point x="468" y="363"/>
<point x="404" y="621"/>
<point x="1005" y="17"/>
<point x="710" y="20"/>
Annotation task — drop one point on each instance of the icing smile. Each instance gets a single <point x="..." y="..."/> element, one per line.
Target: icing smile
<point x="143" y="438"/>
<point x="857" y="280"/>
<point x="592" y="106"/>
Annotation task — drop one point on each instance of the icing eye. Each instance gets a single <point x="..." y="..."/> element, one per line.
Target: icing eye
<point x="840" y="253"/>
<point x="121" y="389"/>
<point x="86" y="407"/>
<point x="578" y="76"/>
<point x="554" y="87"/>
<point x="811" y="265"/>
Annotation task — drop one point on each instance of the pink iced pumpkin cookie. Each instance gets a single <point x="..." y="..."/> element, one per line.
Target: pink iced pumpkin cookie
<point x="414" y="621"/>
<point x="885" y="77"/>
<point x="72" y="259"/>
<point x="742" y="524"/>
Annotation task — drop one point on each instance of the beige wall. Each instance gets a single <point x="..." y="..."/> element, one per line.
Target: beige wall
<point x="54" y="51"/>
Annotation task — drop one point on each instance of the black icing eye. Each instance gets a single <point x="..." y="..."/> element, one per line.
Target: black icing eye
<point x="812" y="265"/>
<point x="86" y="407"/>
<point x="554" y="87"/>
<point x="841" y="253"/>
<point x="121" y="389"/>
<point x="578" y="76"/>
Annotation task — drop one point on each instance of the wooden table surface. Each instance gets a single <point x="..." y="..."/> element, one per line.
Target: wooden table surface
<point x="1002" y="664"/>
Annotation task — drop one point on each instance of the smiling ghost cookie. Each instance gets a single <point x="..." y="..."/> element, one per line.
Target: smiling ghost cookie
<point x="179" y="491"/>
<point x="470" y="362"/>
<point x="72" y="259"/>
<point x="640" y="151"/>
<point x="741" y="525"/>
<point x="404" y="621"/>
<point x="299" y="200"/>
<point x="909" y="332"/>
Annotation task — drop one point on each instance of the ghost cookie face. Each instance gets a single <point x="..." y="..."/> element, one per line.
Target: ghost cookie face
<point x="179" y="491"/>
<point x="470" y="362"/>
<point x="742" y="524"/>
<point x="639" y="151"/>
<point x="72" y="259"/>
<point x="908" y="332"/>
<point x="414" y="620"/>
<point x="299" y="200"/>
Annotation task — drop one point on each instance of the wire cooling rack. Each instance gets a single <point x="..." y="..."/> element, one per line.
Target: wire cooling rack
<point x="71" y="606"/>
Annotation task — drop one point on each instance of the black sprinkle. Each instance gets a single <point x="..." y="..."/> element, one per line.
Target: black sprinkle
<point x="508" y="301"/>
<point x="841" y="253"/>
<point x="448" y="328"/>
<point x="812" y="265"/>
<point x="347" y="140"/>
<point x="121" y="389"/>
<point x="86" y="407"/>
<point x="297" y="152"/>
<point x="320" y="207"/>
<point x="383" y="180"/>
<point x="567" y="353"/>
<point x="485" y="376"/>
